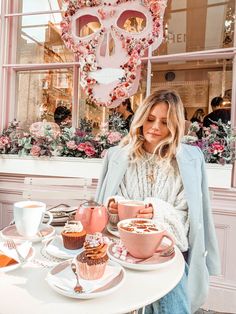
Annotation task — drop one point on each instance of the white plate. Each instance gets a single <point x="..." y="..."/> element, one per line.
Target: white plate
<point x="113" y="232"/>
<point x="45" y="232"/>
<point x="105" y="285"/>
<point x="56" y="248"/>
<point x="155" y="262"/>
<point x="31" y="253"/>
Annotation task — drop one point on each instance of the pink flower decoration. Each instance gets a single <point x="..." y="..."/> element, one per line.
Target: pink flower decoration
<point x="121" y="92"/>
<point x="4" y="141"/>
<point x="114" y="137"/>
<point x="217" y="148"/>
<point x="35" y="151"/>
<point x="89" y="151"/>
<point x="81" y="147"/>
<point x="71" y="145"/>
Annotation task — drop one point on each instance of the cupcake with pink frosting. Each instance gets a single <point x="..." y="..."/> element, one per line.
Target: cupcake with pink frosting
<point x="93" y="260"/>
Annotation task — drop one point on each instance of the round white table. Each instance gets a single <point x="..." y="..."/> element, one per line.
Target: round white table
<point x="25" y="290"/>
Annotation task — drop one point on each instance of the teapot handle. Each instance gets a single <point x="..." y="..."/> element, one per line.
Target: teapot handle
<point x="92" y="203"/>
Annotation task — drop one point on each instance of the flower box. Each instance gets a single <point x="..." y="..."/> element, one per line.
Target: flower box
<point x="218" y="176"/>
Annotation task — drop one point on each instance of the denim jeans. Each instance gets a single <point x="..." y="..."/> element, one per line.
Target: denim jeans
<point x="175" y="302"/>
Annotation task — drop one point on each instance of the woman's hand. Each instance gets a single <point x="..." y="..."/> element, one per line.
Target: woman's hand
<point x="113" y="207"/>
<point x="147" y="212"/>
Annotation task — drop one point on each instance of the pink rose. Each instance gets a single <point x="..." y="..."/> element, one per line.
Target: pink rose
<point x="217" y="148"/>
<point x="89" y="151"/>
<point x="114" y="137"/>
<point x="121" y="92"/>
<point x="71" y="145"/>
<point x="81" y="147"/>
<point x="35" y="150"/>
<point x="4" y="141"/>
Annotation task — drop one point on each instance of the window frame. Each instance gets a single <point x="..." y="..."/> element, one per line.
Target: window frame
<point x="9" y="69"/>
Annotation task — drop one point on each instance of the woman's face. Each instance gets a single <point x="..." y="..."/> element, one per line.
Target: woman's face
<point x="155" y="127"/>
<point x="120" y="109"/>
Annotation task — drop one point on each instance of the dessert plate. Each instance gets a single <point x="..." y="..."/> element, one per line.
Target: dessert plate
<point x="25" y="249"/>
<point x="56" y="248"/>
<point x="112" y="231"/>
<point x="44" y="232"/>
<point x="155" y="262"/>
<point x="62" y="280"/>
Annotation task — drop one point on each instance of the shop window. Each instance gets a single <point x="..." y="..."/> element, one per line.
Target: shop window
<point x="39" y="40"/>
<point x="197" y="82"/>
<point x="39" y="93"/>
<point x="191" y="25"/>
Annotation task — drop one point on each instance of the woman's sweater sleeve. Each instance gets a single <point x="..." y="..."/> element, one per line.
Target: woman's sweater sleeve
<point x="174" y="218"/>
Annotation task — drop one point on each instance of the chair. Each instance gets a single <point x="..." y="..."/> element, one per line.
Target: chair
<point x="58" y="189"/>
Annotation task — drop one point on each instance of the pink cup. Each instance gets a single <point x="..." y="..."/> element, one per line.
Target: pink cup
<point x="143" y="244"/>
<point x="129" y="208"/>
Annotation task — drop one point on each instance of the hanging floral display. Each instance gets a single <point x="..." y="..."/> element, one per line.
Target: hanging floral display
<point x="109" y="54"/>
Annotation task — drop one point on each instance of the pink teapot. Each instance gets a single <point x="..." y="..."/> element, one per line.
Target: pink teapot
<point x="92" y="216"/>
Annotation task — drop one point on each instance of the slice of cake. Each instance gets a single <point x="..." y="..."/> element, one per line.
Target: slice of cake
<point x="73" y="235"/>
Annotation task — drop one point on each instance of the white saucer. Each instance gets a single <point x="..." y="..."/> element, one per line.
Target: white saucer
<point x="56" y="248"/>
<point x="45" y="232"/>
<point x="156" y="262"/>
<point x="113" y="232"/>
<point x="28" y="254"/>
<point x="63" y="280"/>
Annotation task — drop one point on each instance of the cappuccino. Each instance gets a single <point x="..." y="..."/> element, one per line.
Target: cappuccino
<point x="139" y="226"/>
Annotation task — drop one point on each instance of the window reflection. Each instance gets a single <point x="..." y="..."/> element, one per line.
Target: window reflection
<point x="39" y="93"/>
<point x="197" y="82"/>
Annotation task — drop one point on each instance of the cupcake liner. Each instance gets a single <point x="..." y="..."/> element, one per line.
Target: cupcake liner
<point x="91" y="272"/>
<point x="73" y="242"/>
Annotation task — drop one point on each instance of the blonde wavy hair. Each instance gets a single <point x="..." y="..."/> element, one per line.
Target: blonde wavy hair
<point x="167" y="148"/>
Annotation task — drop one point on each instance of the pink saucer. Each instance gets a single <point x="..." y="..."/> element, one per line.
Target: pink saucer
<point x="10" y="232"/>
<point x="154" y="262"/>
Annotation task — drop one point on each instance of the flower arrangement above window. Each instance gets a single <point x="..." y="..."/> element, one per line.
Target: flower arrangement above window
<point x="217" y="142"/>
<point x="69" y="142"/>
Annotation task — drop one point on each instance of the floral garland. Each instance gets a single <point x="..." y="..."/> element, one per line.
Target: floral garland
<point x="69" y="142"/>
<point x="85" y="51"/>
<point x="217" y="141"/>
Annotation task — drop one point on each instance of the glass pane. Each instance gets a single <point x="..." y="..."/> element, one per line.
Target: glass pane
<point x="197" y="82"/>
<point x="39" y="93"/>
<point x="26" y="6"/>
<point x="97" y="116"/>
<point x="191" y="25"/>
<point x="39" y="40"/>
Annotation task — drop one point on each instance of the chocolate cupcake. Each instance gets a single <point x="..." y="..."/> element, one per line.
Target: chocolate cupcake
<point x="73" y="235"/>
<point x="93" y="260"/>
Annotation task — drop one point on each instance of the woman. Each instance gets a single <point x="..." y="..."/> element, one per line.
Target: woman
<point x="198" y="116"/>
<point x="151" y="164"/>
<point x="126" y="112"/>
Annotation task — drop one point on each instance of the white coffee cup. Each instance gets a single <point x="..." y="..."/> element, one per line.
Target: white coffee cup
<point x="28" y="216"/>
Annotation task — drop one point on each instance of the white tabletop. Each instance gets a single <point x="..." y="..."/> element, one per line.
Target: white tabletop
<point x="26" y="291"/>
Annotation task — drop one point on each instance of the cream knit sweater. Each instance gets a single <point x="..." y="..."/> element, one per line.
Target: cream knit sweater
<point x="160" y="185"/>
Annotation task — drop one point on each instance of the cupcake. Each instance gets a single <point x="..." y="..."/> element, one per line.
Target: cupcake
<point x="93" y="260"/>
<point x="73" y="235"/>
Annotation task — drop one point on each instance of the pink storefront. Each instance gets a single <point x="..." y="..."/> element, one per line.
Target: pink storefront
<point x="39" y="74"/>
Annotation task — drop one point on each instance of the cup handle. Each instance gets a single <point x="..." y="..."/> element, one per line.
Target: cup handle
<point x="166" y="248"/>
<point x="50" y="217"/>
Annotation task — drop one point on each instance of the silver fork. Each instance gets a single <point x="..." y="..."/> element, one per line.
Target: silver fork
<point x="11" y="245"/>
<point x="78" y="288"/>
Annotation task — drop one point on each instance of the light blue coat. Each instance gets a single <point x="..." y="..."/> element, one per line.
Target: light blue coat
<point x="203" y="257"/>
